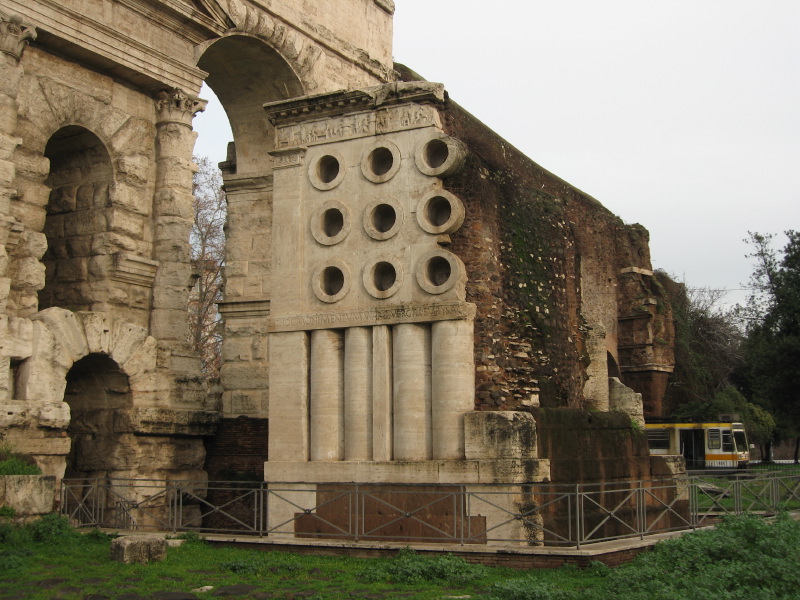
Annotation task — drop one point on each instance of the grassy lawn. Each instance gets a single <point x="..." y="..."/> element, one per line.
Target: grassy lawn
<point x="744" y="557"/>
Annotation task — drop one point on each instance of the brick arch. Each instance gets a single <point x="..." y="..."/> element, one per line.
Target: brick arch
<point x="61" y="338"/>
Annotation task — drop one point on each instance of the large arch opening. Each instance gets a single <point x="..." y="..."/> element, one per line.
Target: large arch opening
<point x="80" y="176"/>
<point x="96" y="389"/>
<point x="244" y="73"/>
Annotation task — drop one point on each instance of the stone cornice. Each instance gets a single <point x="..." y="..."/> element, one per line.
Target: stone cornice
<point x="114" y="51"/>
<point x="244" y="308"/>
<point x="344" y="102"/>
<point x="387" y="5"/>
<point x="136" y="270"/>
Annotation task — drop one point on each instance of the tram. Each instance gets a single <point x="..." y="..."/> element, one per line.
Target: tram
<point x="709" y="445"/>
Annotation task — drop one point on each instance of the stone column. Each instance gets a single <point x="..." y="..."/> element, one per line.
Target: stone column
<point x="327" y="395"/>
<point x="412" y="392"/>
<point x="452" y="385"/>
<point x="288" y="407"/>
<point x="358" y="393"/>
<point x="382" y="440"/>
<point x="173" y="216"/>
<point x="14" y="37"/>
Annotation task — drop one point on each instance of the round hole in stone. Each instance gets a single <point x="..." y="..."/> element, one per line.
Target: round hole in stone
<point x="383" y="217"/>
<point x="332" y="280"/>
<point x="438" y="270"/>
<point x="381" y="161"/>
<point x="436" y="153"/>
<point x="384" y="276"/>
<point x="438" y="211"/>
<point x="327" y="168"/>
<point x="332" y="222"/>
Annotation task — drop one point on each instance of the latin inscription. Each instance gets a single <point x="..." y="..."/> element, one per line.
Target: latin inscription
<point x="419" y="313"/>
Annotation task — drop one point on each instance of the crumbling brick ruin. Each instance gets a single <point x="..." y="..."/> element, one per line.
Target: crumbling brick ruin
<point x="407" y="297"/>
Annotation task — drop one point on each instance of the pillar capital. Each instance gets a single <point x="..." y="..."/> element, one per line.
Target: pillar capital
<point x="175" y="106"/>
<point x="15" y="35"/>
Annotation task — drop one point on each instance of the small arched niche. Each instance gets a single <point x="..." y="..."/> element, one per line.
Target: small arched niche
<point x="245" y="73"/>
<point x="96" y="389"/>
<point x="80" y="176"/>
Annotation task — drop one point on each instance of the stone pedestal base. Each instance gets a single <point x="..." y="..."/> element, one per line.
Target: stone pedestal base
<point x="445" y="501"/>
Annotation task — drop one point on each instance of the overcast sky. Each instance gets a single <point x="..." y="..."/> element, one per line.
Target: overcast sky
<point x="681" y="115"/>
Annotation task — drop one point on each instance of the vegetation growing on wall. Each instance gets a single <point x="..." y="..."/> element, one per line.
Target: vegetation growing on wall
<point x="14" y="463"/>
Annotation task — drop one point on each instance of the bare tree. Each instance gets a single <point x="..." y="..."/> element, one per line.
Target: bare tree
<point x="208" y="255"/>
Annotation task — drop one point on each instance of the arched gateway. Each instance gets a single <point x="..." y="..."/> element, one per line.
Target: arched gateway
<point x="407" y="299"/>
<point x="96" y="208"/>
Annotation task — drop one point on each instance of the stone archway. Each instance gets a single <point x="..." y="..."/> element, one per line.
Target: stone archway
<point x="245" y="72"/>
<point x="96" y="389"/>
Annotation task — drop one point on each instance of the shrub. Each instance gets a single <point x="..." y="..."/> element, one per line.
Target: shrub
<point x="191" y="537"/>
<point x="408" y="566"/>
<point x="744" y="556"/>
<point x="527" y="588"/>
<point x="13" y="463"/>
<point x="51" y="528"/>
<point x="7" y="511"/>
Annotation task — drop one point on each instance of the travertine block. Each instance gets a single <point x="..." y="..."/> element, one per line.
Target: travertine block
<point x="138" y="549"/>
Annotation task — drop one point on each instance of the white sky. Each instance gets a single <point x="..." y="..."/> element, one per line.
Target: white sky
<point x="681" y="115"/>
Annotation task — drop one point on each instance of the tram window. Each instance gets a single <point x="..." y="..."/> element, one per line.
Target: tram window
<point x="727" y="441"/>
<point x="658" y="439"/>
<point x="714" y="439"/>
<point x="741" y="441"/>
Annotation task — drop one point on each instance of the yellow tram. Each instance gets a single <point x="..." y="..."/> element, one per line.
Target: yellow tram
<point x="708" y="445"/>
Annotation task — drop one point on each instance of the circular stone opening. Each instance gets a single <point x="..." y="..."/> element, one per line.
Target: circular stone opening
<point x="438" y="211"/>
<point x="332" y="280"/>
<point x="438" y="270"/>
<point x="436" y="153"/>
<point x="383" y="217"/>
<point x="332" y="222"/>
<point x="381" y="161"/>
<point x="384" y="276"/>
<point x="327" y="168"/>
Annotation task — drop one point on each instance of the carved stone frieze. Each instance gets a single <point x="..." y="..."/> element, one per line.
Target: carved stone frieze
<point x="175" y="106"/>
<point x="15" y="34"/>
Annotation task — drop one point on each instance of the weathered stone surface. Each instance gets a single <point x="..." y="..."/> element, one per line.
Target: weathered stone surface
<point x="28" y="495"/>
<point x="138" y="549"/>
<point x="624" y="399"/>
<point x="504" y="434"/>
<point x="162" y="421"/>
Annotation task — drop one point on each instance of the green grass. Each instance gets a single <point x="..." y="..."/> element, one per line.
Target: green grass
<point x="744" y="557"/>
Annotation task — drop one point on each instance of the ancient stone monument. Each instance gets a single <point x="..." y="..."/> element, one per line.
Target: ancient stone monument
<point x="408" y="299"/>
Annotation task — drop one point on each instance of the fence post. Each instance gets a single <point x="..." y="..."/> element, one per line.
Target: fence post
<point x="641" y="510"/>
<point x="578" y="516"/>
<point x="355" y="513"/>
<point x="462" y="511"/>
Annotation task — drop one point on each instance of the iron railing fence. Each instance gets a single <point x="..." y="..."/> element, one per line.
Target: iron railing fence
<point x="532" y="514"/>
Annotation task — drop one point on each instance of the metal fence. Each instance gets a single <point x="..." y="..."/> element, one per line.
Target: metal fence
<point x="534" y="514"/>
